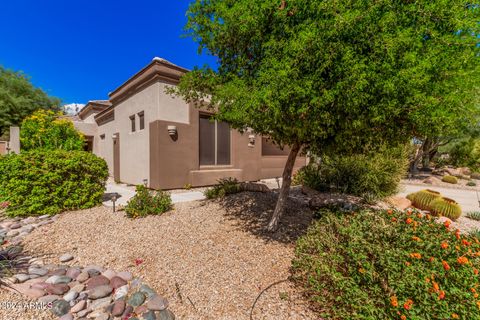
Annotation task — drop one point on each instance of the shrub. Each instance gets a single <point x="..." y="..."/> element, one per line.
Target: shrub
<point x="371" y="176"/>
<point x="423" y="198"/>
<point x="474" y="215"/>
<point x="12" y="261"/>
<point x="146" y="202"/>
<point x="388" y="265"/>
<point x="446" y="207"/>
<point x="47" y="130"/>
<point x="471" y="183"/>
<point x="224" y="187"/>
<point x="48" y="182"/>
<point x="450" y="179"/>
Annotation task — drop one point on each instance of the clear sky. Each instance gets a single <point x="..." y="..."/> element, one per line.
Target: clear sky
<point x="79" y="50"/>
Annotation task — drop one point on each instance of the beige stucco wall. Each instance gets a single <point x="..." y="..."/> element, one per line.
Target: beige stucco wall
<point x="104" y="147"/>
<point x="171" y="108"/>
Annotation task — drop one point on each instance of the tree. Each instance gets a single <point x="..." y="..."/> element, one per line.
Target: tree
<point x="19" y="98"/>
<point x="48" y="130"/>
<point x="341" y="74"/>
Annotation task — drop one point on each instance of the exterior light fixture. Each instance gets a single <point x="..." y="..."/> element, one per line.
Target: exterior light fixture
<point x="114" y="199"/>
<point x="251" y="140"/>
<point x="172" y="130"/>
<point x="145" y="182"/>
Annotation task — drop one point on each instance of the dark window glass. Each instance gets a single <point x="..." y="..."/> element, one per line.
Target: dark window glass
<point x="223" y="143"/>
<point x="132" y="121"/>
<point x="207" y="141"/>
<point x="141" y="117"/>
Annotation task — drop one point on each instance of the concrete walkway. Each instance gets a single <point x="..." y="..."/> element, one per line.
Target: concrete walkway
<point x="124" y="194"/>
<point x="466" y="198"/>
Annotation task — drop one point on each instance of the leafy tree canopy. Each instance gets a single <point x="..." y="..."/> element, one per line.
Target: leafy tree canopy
<point x="48" y="130"/>
<point x="19" y="98"/>
<point x="342" y="74"/>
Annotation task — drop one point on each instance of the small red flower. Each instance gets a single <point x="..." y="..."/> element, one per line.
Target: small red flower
<point x="447" y="224"/>
<point x="409" y="220"/>
<point x="444" y="245"/>
<point x="462" y="260"/>
<point x="466" y="243"/>
<point x="441" y="296"/>
<point x="457" y="234"/>
<point x="138" y="262"/>
<point x="475" y="271"/>
<point x="408" y="304"/>
<point x="390" y="211"/>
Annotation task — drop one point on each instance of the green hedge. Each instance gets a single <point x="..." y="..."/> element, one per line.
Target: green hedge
<point x="388" y="265"/>
<point x="48" y="182"/>
<point x="372" y="176"/>
<point x="146" y="202"/>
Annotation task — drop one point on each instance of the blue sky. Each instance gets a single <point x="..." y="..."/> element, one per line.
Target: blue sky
<point x="81" y="50"/>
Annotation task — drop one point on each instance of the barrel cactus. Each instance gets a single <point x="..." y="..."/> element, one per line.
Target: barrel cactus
<point x="423" y="198"/>
<point x="446" y="207"/>
<point x="450" y="179"/>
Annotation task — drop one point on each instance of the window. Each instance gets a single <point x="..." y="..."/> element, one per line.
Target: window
<point x="102" y="136"/>
<point x="214" y="142"/>
<point x="141" y="117"/>
<point x="271" y="149"/>
<point x="132" y="121"/>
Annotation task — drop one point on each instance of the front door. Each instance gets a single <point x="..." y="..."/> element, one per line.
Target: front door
<point x="116" y="157"/>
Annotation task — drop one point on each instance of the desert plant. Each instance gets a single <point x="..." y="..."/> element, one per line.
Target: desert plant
<point x="372" y="176"/>
<point x="446" y="207"/>
<point x="146" y="202"/>
<point x="387" y="264"/>
<point x="187" y="186"/>
<point x="474" y="215"/>
<point x="224" y="187"/>
<point x="48" y="182"/>
<point x="450" y="179"/>
<point x="423" y="198"/>
<point x="471" y="183"/>
<point x="12" y="261"/>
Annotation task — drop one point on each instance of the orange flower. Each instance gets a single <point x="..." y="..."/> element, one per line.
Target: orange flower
<point x="414" y="238"/>
<point x="415" y="255"/>
<point x="462" y="260"/>
<point x="409" y="211"/>
<point x="409" y="220"/>
<point x="390" y="211"/>
<point x="447" y="224"/>
<point x="407" y="263"/>
<point x="475" y="271"/>
<point x="445" y="265"/>
<point x="431" y="259"/>
<point x="436" y="288"/>
<point x="394" y="219"/>
<point x="441" y="296"/>
<point x="408" y="304"/>
<point x="473" y="290"/>
<point x="455" y="316"/>
<point x="428" y="217"/>
<point x="457" y="234"/>
<point x="394" y="301"/>
<point x="403" y="317"/>
<point x="466" y="243"/>
<point x="475" y="295"/>
<point x="457" y="248"/>
<point x="444" y="245"/>
<point x="419" y="215"/>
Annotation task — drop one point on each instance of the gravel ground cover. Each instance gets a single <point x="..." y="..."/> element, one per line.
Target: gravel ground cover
<point x="211" y="260"/>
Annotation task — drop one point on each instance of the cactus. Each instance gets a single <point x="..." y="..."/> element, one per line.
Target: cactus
<point x="446" y="207"/>
<point x="423" y="198"/>
<point x="450" y="179"/>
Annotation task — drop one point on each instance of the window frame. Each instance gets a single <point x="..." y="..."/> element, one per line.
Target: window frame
<point x="215" y="143"/>
<point x="141" y="119"/>
<point x="132" y="124"/>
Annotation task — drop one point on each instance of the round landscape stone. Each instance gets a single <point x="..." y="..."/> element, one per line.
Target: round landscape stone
<point x="79" y="306"/>
<point x="149" y="315"/>
<point x="57" y="289"/>
<point x="147" y="291"/>
<point x="15" y="226"/>
<point x="66" y="257"/>
<point x="83" y="276"/>
<point x="97" y="281"/>
<point x="71" y="295"/>
<point x="117" y="282"/>
<point x="60" y="307"/>
<point x="73" y="273"/>
<point x="137" y="299"/>
<point x="99" y="291"/>
<point x="21" y="277"/>
<point x="121" y="292"/>
<point x="166" y="315"/>
<point x="49" y="298"/>
<point x="37" y="271"/>
<point x="67" y="316"/>
<point x="157" y="303"/>
<point x="118" y="308"/>
<point x="125" y="275"/>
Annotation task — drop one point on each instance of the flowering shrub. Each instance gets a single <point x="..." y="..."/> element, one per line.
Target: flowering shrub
<point x="147" y="202"/>
<point x="48" y="182"/>
<point x="389" y="265"/>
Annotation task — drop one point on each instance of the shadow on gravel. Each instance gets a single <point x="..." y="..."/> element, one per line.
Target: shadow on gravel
<point x="251" y="212"/>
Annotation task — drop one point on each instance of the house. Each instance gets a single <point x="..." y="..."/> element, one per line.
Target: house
<point x="148" y="136"/>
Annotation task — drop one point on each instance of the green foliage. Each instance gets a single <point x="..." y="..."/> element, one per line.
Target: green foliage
<point x="373" y="175"/>
<point x="387" y="264"/>
<point x="329" y="74"/>
<point x="465" y="153"/>
<point x="12" y="261"/>
<point x="47" y="130"/>
<point x="51" y="181"/>
<point x="19" y="98"/>
<point x="187" y="186"/>
<point x="450" y="179"/>
<point x="224" y="187"/>
<point x="146" y="202"/>
<point x="423" y="198"/>
<point x="474" y="215"/>
<point x="446" y="207"/>
<point x="471" y="183"/>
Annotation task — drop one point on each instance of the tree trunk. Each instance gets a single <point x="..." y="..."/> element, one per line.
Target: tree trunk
<point x="285" y="189"/>
<point x="416" y="160"/>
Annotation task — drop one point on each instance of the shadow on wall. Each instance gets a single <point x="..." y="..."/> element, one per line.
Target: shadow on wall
<point x="251" y="211"/>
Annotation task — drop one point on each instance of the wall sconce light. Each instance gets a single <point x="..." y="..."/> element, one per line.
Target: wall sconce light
<point x="145" y="183"/>
<point x="251" y="140"/>
<point x="172" y="130"/>
<point x="114" y="136"/>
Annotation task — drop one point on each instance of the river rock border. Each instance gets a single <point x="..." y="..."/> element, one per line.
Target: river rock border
<point x="74" y="292"/>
